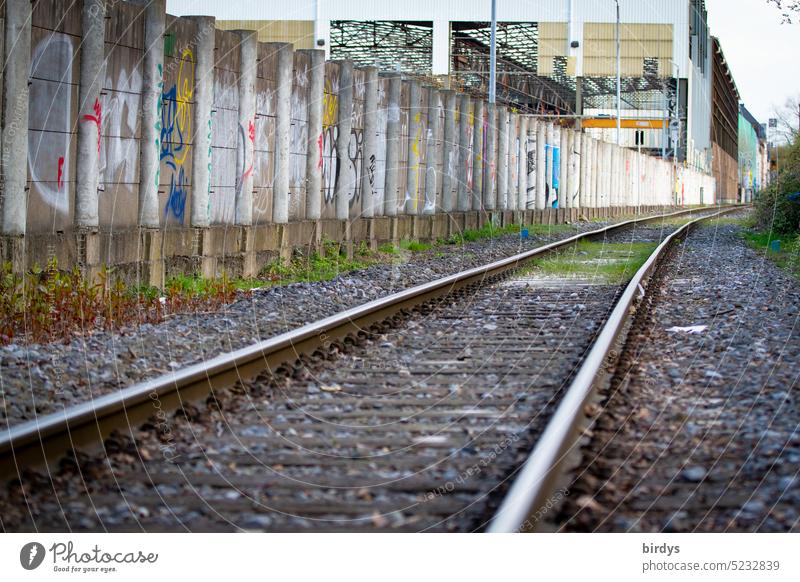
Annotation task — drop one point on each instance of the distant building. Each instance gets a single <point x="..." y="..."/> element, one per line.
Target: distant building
<point x="753" y="161"/>
<point x="724" y="127"/>
<point x="554" y="56"/>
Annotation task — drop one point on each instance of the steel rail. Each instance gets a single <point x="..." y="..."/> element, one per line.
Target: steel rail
<point x="533" y="488"/>
<point x="85" y="425"/>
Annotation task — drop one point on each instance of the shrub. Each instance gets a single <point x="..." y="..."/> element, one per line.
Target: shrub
<point x="777" y="208"/>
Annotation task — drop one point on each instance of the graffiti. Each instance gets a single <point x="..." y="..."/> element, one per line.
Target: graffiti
<point x="176" y="129"/>
<point x="331" y="170"/>
<point x="551" y="187"/>
<point x="245" y="171"/>
<point x="50" y="120"/>
<point x="531" y="167"/>
<point x="411" y="195"/>
<point x="120" y="115"/>
<point x="355" y="156"/>
<point x="468" y="149"/>
<point x="556" y="176"/>
<point x="60" y="173"/>
<point x="371" y="175"/>
<point x="330" y="165"/>
<point x="319" y="144"/>
<point x="575" y="169"/>
<point x="210" y="149"/>
<point x="176" y="202"/>
<point x="330" y="104"/>
<point x="97" y="119"/>
<point x="159" y="107"/>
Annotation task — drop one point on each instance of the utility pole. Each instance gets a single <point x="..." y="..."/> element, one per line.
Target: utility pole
<point x="619" y="82"/>
<point x="493" y="56"/>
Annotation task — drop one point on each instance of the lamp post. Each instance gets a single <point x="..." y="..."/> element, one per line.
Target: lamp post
<point x="493" y="56"/>
<point x="619" y="82"/>
<point x="677" y="141"/>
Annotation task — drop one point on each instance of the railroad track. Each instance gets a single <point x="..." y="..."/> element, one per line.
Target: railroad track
<point x="412" y="412"/>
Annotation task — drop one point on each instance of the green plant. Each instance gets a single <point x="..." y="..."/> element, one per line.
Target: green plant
<point x="777" y="208"/>
<point x="48" y="304"/>
<point x="788" y="254"/>
<point x="487" y="231"/>
<point x="414" y="246"/>
<point x="610" y="262"/>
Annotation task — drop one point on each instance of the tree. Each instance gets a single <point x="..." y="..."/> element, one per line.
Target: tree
<point x="787" y="7"/>
<point x="788" y="118"/>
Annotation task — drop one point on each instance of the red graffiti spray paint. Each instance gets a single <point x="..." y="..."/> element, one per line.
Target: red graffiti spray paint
<point x="97" y="119"/>
<point x="60" y="172"/>
<point x="319" y="143"/>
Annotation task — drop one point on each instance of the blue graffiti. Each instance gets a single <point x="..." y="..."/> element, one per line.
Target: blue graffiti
<point x="176" y="130"/>
<point x="176" y="202"/>
<point x="173" y="142"/>
<point x="556" y="173"/>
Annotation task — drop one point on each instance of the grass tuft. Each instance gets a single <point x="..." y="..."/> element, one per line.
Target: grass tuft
<point x="609" y="262"/>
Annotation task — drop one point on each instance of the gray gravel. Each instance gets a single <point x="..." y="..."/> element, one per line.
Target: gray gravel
<point x="417" y="428"/>
<point x="40" y="379"/>
<point x="700" y="430"/>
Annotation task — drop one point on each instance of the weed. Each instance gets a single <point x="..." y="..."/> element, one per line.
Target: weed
<point x="787" y="258"/>
<point x="324" y="264"/>
<point x="487" y="231"/>
<point x="610" y="262"/>
<point x="48" y="304"/>
<point x="414" y="246"/>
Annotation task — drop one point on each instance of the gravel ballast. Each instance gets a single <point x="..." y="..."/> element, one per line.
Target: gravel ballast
<point x="700" y="428"/>
<point x="40" y="379"/>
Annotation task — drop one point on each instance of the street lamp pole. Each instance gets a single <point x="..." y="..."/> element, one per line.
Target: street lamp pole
<point x="619" y="83"/>
<point x="493" y="56"/>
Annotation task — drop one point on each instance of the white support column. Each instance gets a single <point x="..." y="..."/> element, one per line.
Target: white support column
<point x="502" y="158"/>
<point x="414" y="154"/>
<point x="202" y="121"/>
<point x="90" y="113"/>
<point x="370" y="141"/>
<point x="466" y="125"/>
<point x="575" y="169"/>
<point x="597" y="161"/>
<point x="522" y="163"/>
<point x="569" y="158"/>
<point x="490" y="161"/>
<point x="152" y="80"/>
<point x="563" y="176"/>
<point x="449" y="151"/>
<point x="477" y="155"/>
<point x="544" y="195"/>
<point x="245" y="152"/>
<point x="316" y="88"/>
<point x="14" y="155"/>
<point x="283" y="122"/>
<point x="513" y="160"/>
<point x="584" y="172"/>
<point x="431" y="206"/>
<point x="345" y="125"/>
<point x="390" y="190"/>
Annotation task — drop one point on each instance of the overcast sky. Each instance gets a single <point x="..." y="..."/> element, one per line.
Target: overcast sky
<point x="762" y="53"/>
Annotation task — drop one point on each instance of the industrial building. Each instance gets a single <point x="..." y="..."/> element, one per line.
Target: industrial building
<point x="753" y="164"/>
<point x="554" y="56"/>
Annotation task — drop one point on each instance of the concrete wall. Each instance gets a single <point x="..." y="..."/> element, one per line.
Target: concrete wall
<point x="215" y="151"/>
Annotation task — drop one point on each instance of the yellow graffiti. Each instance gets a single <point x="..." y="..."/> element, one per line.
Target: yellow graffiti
<point x="330" y="104"/>
<point x="183" y="96"/>
<point x="417" y="156"/>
